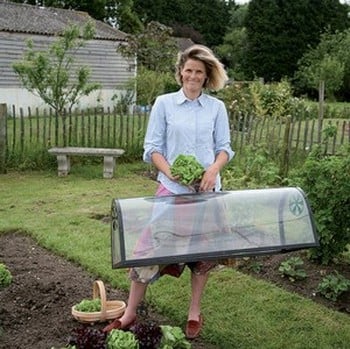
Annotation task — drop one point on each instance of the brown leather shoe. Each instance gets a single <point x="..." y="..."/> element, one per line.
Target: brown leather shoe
<point x="193" y="328"/>
<point x="117" y="325"/>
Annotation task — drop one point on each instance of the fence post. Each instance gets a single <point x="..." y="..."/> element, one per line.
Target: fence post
<point x="3" y="116"/>
<point x="284" y="166"/>
<point x="320" y="111"/>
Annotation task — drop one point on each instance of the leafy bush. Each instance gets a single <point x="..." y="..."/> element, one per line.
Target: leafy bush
<point x="275" y="99"/>
<point x="257" y="168"/>
<point x="272" y="100"/>
<point x="325" y="180"/>
<point x="151" y="84"/>
<point x="237" y="98"/>
<point x="256" y="267"/>
<point x="292" y="268"/>
<point x="5" y="276"/>
<point x="333" y="285"/>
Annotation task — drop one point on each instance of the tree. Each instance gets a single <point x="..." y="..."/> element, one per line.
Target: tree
<point x="49" y="75"/>
<point x="156" y="51"/>
<point x="329" y="61"/>
<point x="329" y="70"/>
<point x="151" y="84"/>
<point x="233" y="50"/>
<point x="154" y="48"/>
<point x="279" y="32"/>
<point x="124" y="16"/>
<point x="207" y="17"/>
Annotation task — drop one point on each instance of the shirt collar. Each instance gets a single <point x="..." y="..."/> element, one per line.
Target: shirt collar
<point x="181" y="98"/>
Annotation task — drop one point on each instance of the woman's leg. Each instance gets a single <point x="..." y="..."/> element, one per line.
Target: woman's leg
<point x="195" y="318"/>
<point x="199" y="277"/>
<point x="198" y="282"/>
<point x="136" y="294"/>
<point x="140" y="276"/>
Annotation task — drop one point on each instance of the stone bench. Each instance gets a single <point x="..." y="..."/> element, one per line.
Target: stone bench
<point x="63" y="158"/>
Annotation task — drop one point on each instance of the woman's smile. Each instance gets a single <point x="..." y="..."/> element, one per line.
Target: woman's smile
<point x="193" y="78"/>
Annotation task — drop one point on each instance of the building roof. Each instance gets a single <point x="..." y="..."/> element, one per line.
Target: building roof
<point x="29" y="19"/>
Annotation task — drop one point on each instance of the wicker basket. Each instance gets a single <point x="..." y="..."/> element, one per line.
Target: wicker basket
<point x="109" y="309"/>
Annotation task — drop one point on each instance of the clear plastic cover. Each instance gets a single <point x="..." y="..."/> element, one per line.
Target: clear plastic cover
<point x="203" y="226"/>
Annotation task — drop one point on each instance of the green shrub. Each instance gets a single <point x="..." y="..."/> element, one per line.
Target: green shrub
<point x="325" y="180"/>
<point x="333" y="285"/>
<point x="256" y="267"/>
<point x="292" y="268"/>
<point x="5" y="276"/>
<point x="257" y="169"/>
<point x="273" y="100"/>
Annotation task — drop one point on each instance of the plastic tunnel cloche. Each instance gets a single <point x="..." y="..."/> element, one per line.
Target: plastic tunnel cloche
<point x="206" y="226"/>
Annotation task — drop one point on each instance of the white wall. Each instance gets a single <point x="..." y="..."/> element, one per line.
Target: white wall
<point x="24" y="99"/>
<point x="106" y="64"/>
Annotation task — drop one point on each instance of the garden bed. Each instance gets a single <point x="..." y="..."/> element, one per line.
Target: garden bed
<point x="35" y="310"/>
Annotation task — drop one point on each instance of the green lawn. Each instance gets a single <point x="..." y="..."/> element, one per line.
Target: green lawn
<point x="63" y="215"/>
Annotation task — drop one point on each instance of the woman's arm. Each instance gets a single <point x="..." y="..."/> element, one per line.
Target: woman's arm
<point x="162" y="164"/>
<point x="209" y="178"/>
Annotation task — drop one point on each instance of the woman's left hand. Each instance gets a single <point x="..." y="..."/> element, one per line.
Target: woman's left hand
<point x="209" y="178"/>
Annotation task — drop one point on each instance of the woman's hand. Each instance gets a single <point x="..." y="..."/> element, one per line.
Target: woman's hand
<point x="209" y="178"/>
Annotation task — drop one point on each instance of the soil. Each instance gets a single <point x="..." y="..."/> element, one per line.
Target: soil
<point x="266" y="268"/>
<point x="35" y="310"/>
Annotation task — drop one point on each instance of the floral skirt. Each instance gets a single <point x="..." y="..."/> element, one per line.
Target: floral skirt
<point x="151" y="273"/>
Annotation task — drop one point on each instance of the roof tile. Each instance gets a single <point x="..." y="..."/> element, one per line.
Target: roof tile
<point x="23" y="18"/>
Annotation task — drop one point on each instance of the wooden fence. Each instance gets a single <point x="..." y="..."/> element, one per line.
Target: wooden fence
<point x="97" y="127"/>
<point x="88" y="128"/>
<point x="296" y="135"/>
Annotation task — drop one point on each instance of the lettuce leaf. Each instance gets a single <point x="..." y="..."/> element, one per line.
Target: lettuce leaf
<point x="173" y="338"/>
<point x="187" y="168"/>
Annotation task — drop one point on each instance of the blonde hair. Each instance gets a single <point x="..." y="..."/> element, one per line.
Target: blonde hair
<point x="216" y="74"/>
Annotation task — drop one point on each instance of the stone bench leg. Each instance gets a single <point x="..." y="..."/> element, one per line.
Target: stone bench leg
<point x="63" y="162"/>
<point x="108" y="166"/>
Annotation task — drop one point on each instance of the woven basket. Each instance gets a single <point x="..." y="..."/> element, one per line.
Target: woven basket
<point x="109" y="309"/>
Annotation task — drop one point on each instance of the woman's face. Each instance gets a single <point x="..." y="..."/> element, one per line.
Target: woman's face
<point x="193" y="76"/>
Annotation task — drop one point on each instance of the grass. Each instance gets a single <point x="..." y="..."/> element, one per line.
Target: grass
<point x="64" y="215"/>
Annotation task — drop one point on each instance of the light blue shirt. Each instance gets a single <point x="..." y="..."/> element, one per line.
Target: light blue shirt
<point x="178" y="125"/>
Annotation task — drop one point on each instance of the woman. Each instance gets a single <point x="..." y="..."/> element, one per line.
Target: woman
<point x="193" y="123"/>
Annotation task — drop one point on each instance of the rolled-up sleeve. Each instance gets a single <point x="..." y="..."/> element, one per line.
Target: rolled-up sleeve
<point x="156" y="132"/>
<point x="222" y="133"/>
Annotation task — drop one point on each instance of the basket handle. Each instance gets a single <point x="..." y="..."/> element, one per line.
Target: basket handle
<point x="99" y="290"/>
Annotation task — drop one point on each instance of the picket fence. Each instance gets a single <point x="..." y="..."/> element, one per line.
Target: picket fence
<point x="100" y="127"/>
